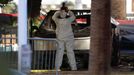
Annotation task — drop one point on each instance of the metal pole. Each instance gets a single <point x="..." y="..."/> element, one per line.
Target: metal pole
<point x="22" y="28"/>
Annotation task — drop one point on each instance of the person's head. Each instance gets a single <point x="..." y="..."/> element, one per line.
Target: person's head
<point x="63" y="10"/>
<point x="63" y="14"/>
<point x="64" y="6"/>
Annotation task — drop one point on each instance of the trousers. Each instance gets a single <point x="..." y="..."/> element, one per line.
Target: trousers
<point x="67" y="44"/>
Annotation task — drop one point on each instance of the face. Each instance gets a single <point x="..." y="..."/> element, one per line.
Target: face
<point x="63" y="14"/>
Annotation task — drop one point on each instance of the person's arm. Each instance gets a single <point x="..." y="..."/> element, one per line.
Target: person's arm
<point x="71" y="17"/>
<point x="55" y="16"/>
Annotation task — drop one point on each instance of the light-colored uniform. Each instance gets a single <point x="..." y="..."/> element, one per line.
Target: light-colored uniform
<point x="65" y="39"/>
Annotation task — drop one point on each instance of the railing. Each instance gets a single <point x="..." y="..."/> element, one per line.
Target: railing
<point x="43" y="53"/>
<point x="43" y="56"/>
<point x="44" y="50"/>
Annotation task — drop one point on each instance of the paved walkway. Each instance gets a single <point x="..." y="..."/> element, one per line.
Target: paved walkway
<point x="81" y="73"/>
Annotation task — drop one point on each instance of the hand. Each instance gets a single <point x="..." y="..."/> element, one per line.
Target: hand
<point x="66" y="9"/>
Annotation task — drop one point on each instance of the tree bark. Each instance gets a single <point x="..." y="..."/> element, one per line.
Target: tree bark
<point x="100" y="53"/>
<point x="118" y="9"/>
<point x="132" y="5"/>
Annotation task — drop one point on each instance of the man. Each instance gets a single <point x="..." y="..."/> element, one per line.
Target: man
<point x="63" y="19"/>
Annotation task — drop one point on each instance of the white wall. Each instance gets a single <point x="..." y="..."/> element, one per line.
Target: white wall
<point x="129" y="6"/>
<point x="87" y="2"/>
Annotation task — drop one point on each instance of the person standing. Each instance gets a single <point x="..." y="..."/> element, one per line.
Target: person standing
<point x="64" y="34"/>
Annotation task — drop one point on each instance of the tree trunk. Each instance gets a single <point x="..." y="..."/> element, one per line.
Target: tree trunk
<point x="100" y="53"/>
<point x="132" y="5"/>
<point x="118" y="9"/>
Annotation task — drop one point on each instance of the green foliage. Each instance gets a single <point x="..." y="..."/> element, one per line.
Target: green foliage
<point x="4" y="1"/>
<point x="10" y="8"/>
<point x="37" y="21"/>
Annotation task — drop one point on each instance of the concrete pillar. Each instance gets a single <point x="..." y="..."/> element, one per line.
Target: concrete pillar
<point x="22" y="30"/>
